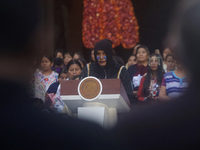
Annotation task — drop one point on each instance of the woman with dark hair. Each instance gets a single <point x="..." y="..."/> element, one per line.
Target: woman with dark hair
<point x="138" y="70"/>
<point x="46" y="76"/>
<point x="150" y="83"/>
<point x="74" y="68"/>
<point x="131" y="61"/>
<point x="67" y="58"/>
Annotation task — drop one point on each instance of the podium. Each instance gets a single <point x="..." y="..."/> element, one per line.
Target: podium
<point x="102" y="110"/>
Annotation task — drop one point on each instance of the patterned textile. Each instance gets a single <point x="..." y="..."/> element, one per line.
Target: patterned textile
<point x="53" y="87"/>
<point x="53" y="100"/>
<point x="136" y="72"/>
<point x="175" y="86"/>
<point x="36" y="89"/>
<point x="153" y="90"/>
<point x="54" y="103"/>
<point x="39" y="90"/>
<point x="46" y="80"/>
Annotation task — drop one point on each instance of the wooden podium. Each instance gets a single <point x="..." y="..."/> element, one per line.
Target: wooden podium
<point x="103" y="110"/>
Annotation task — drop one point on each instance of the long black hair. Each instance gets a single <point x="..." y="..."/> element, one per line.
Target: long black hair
<point x="73" y="61"/>
<point x="159" y="73"/>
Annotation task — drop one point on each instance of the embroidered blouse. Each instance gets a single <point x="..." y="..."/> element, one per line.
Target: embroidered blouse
<point x="153" y="90"/>
<point x="46" y="80"/>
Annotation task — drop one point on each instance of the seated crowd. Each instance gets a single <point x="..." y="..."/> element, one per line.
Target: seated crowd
<point x="145" y="77"/>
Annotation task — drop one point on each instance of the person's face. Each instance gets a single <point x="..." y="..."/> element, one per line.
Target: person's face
<point x="59" y="55"/>
<point x="170" y="63"/>
<point x="92" y="55"/>
<point x="142" y="55"/>
<point x="67" y="58"/>
<point x="166" y="52"/>
<point x="46" y="64"/>
<point x="76" y="56"/>
<point x="101" y="58"/>
<point x="63" y="76"/>
<point x="131" y="61"/>
<point x="154" y="63"/>
<point x="74" y="70"/>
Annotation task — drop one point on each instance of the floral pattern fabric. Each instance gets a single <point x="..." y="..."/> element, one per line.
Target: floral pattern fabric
<point x="46" y="80"/>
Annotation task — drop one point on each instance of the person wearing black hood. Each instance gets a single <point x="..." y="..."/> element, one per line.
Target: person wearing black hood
<point x="105" y="67"/>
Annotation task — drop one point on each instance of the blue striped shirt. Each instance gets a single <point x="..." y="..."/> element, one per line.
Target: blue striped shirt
<point x="175" y="86"/>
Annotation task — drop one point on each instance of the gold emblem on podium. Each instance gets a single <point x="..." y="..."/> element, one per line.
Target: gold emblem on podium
<point x="90" y="88"/>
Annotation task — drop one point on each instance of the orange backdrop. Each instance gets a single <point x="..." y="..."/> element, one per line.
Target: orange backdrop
<point x="110" y="19"/>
